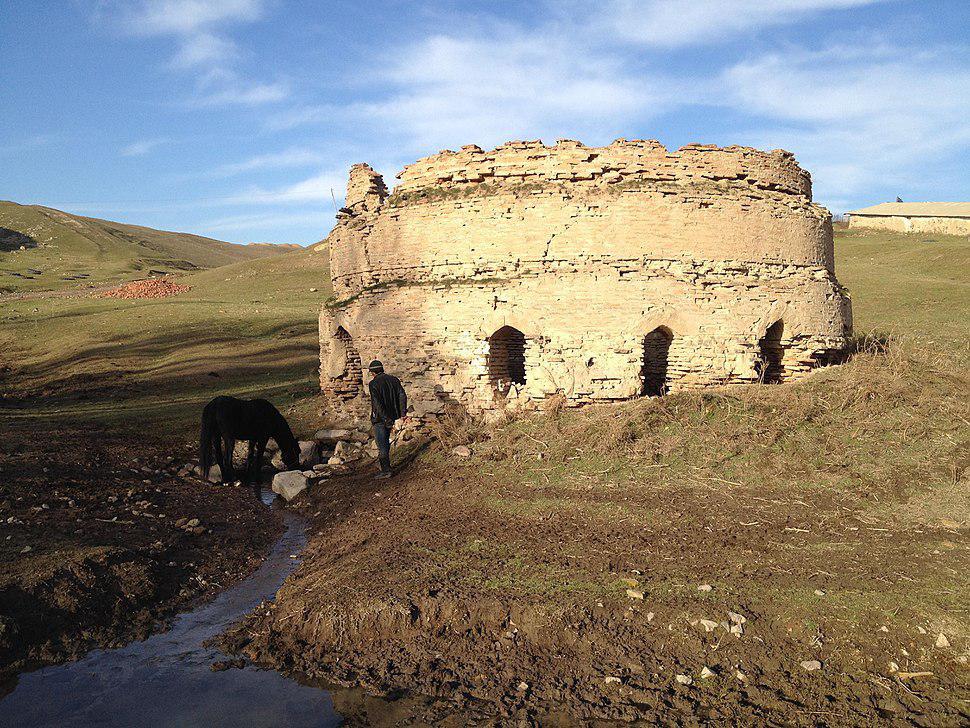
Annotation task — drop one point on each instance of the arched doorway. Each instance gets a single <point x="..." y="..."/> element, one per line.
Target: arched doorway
<point x="345" y="372"/>
<point x="506" y="359"/>
<point x="656" y="352"/>
<point x="771" y="367"/>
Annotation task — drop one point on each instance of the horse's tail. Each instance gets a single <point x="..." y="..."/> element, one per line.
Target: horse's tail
<point x="206" y="435"/>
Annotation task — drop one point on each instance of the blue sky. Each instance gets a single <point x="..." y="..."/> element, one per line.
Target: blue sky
<point x="236" y="118"/>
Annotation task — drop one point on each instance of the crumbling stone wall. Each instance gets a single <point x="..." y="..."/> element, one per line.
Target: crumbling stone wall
<point x="499" y="279"/>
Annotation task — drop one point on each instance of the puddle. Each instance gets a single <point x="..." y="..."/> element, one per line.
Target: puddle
<point x="166" y="680"/>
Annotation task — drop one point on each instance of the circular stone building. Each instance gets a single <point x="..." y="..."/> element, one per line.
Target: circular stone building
<point x="498" y="279"/>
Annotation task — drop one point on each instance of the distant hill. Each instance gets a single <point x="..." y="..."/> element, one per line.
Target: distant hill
<point x="46" y="249"/>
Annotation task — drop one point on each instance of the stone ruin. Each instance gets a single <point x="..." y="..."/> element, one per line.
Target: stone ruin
<point x="497" y="280"/>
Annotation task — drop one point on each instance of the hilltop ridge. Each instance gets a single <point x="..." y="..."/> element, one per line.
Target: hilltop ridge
<point x="42" y="248"/>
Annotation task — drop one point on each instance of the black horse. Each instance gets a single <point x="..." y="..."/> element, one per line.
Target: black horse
<point x="227" y="419"/>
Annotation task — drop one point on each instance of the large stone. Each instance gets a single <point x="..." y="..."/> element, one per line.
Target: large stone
<point x="290" y="484"/>
<point x="309" y="453"/>
<point x="215" y="473"/>
<point x="332" y="437"/>
<point x="347" y="451"/>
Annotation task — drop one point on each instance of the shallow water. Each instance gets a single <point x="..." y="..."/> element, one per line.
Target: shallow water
<point x="166" y="680"/>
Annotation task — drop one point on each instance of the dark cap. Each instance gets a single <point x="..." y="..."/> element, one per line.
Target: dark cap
<point x="376" y="366"/>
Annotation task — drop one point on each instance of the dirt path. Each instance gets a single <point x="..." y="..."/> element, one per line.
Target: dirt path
<point x="94" y="542"/>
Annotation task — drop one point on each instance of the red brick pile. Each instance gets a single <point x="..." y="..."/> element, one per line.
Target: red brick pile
<point x="153" y="288"/>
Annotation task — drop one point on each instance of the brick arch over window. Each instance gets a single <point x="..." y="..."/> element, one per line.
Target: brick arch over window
<point x="346" y="376"/>
<point x="771" y="354"/>
<point x="656" y="351"/>
<point x="506" y="359"/>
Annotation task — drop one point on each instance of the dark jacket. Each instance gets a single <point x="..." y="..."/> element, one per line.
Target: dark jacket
<point x="388" y="402"/>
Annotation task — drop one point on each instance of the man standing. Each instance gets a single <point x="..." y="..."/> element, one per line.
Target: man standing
<point x="388" y="403"/>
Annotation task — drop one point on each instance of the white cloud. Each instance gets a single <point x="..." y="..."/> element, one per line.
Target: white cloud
<point x="238" y="92"/>
<point x="303" y="115"/>
<point x="450" y="91"/>
<point x="185" y="17"/>
<point x="203" y="49"/>
<point x="322" y="218"/>
<point x="323" y="187"/>
<point x="672" y="23"/>
<point x="294" y="157"/>
<point x="857" y="118"/>
<point x="142" y="147"/>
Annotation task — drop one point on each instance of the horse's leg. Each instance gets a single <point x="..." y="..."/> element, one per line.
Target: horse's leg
<point x="229" y="474"/>
<point x="250" y="462"/>
<point x="217" y="446"/>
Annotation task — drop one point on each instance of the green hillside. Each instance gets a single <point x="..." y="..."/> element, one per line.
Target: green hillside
<point x="911" y="285"/>
<point x="46" y="249"/>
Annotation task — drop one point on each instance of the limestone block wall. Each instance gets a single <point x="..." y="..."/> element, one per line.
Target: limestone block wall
<point x="498" y="279"/>
<point x="905" y="224"/>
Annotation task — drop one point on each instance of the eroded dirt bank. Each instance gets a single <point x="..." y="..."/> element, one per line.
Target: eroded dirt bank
<point x="93" y="540"/>
<point x="721" y="557"/>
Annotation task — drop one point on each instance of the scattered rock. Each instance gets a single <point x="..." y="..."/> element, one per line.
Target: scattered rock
<point x="221" y="665"/>
<point x="151" y="288"/>
<point x="684" y="679"/>
<point x="708" y="625"/>
<point x="215" y="474"/>
<point x="26" y="549"/>
<point x="634" y="594"/>
<point x="462" y="451"/>
<point x="736" y="618"/>
<point x="942" y="642"/>
<point x="522" y="687"/>
<point x="707" y="672"/>
<point x="346" y="451"/>
<point x="811" y="665"/>
<point x="309" y="453"/>
<point x="611" y="680"/>
<point x="705" y="588"/>
<point x="289" y="484"/>
<point x="332" y="437"/>
<point x="192" y="522"/>
<point x="740" y="676"/>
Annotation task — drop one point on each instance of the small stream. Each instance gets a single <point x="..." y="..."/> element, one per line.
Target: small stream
<point x="166" y="680"/>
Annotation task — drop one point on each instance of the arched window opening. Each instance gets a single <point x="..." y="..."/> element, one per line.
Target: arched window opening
<point x="656" y="352"/>
<point x="345" y="368"/>
<point x="506" y="359"/>
<point x="771" y="368"/>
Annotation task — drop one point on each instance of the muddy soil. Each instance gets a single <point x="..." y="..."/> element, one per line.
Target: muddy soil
<point x="93" y="543"/>
<point x="716" y="610"/>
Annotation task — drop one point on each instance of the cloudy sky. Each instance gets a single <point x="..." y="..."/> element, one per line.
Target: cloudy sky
<point x="236" y="118"/>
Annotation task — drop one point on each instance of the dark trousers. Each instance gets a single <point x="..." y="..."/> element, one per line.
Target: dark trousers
<point x="382" y="433"/>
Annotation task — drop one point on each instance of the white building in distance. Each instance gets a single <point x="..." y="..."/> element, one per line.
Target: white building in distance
<point x="949" y="218"/>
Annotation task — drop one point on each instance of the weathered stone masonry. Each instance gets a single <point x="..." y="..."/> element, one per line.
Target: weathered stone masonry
<point x="499" y="279"/>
